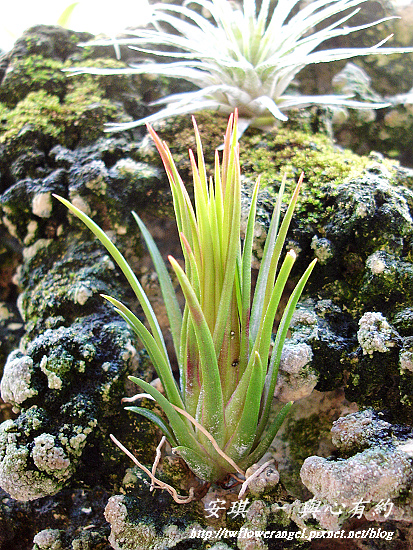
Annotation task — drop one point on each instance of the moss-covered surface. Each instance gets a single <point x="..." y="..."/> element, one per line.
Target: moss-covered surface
<point x="31" y="74"/>
<point x="354" y="215"/>
<point x="291" y="152"/>
<point x="47" y="119"/>
<point x="41" y="106"/>
<point x="69" y="377"/>
<point x="304" y="434"/>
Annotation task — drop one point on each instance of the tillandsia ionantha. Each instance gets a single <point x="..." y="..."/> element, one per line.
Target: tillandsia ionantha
<point x="241" y="57"/>
<point x="218" y="417"/>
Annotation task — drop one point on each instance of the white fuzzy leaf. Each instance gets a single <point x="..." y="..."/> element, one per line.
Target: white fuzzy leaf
<point x="242" y="58"/>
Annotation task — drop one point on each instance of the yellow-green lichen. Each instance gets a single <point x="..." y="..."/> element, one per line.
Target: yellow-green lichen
<point x="79" y="118"/>
<point x="31" y="74"/>
<point x="290" y="152"/>
<point x="304" y="435"/>
<point x="53" y="107"/>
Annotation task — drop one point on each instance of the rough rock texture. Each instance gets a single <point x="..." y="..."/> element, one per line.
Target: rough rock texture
<point x="360" y="430"/>
<point x="377" y="472"/>
<point x="374" y="475"/>
<point x="295" y="380"/>
<point x="373" y="79"/>
<point x="68" y="375"/>
<point x="138" y="522"/>
<point x="75" y="351"/>
<point x="363" y="284"/>
<point x="352" y="337"/>
<point x="265" y="481"/>
<point x="141" y="533"/>
<point x="41" y="449"/>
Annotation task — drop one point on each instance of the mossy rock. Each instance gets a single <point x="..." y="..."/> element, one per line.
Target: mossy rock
<point x="42" y="118"/>
<point x="31" y="74"/>
<point x="49" y="41"/>
<point x="41" y="106"/>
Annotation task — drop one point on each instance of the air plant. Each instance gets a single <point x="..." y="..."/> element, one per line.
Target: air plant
<point x="218" y="417"/>
<point x="243" y="58"/>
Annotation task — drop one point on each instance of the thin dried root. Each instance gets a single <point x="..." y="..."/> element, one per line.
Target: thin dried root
<point x="212" y="440"/>
<point x="136" y="397"/>
<point x="196" y="424"/>
<point x="244" y="486"/>
<point x="238" y="481"/>
<point x="157" y="459"/>
<point x="157" y="483"/>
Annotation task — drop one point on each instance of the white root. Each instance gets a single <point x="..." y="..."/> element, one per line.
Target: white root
<point x="156" y="482"/>
<point x="156" y="461"/>
<point x="196" y="424"/>
<point x="212" y="440"/>
<point x="244" y="486"/>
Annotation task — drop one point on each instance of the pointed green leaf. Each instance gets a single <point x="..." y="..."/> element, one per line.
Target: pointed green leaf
<point x="243" y="433"/>
<point x="271" y="379"/>
<point x="162" y="365"/>
<point x="200" y="464"/>
<point x="263" y="274"/>
<point x="270" y="261"/>
<point x="181" y="428"/>
<point x="212" y="390"/>
<point x="245" y="293"/>
<point x="157" y="420"/>
<point x="124" y="266"/>
<point x="64" y="17"/>
<point x="265" y="442"/>
<point x="263" y="342"/>
<point x="168" y="293"/>
<point x="231" y="253"/>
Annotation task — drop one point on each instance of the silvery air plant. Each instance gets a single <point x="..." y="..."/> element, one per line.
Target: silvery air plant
<point x="241" y="57"/>
<point x="218" y="418"/>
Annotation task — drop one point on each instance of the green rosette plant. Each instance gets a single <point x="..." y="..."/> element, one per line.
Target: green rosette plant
<point x="218" y="417"/>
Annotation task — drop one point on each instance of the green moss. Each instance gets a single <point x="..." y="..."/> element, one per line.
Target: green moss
<point x="403" y="321"/>
<point x="39" y="110"/>
<point x="393" y="284"/>
<point x="3" y="112"/>
<point x="80" y="118"/>
<point x="285" y="151"/>
<point x="35" y="72"/>
<point x="32" y="74"/>
<point x="40" y="102"/>
<point x="377" y="382"/>
<point x="304" y="435"/>
<point x="111" y="85"/>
